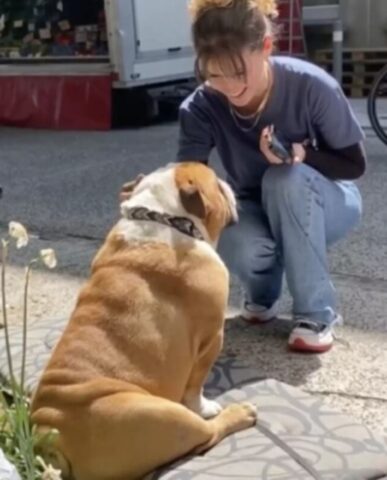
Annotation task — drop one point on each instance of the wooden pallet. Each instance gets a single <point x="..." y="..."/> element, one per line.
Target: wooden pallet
<point x="364" y="55"/>
<point x="362" y="90"/>
<point x="356" y="83"/>
<point x="358" y="79"/>
<point x="356" y="92"/>
<point x="357" y="61"/>
<point x="360" y="68"/>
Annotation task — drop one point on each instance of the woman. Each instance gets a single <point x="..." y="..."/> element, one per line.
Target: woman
<point x="292" y="210"/>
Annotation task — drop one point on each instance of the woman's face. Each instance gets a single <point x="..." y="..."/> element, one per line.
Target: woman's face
<point x="242" y="87"/>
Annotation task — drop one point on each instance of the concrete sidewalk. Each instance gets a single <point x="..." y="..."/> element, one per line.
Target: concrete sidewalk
<point x="65" y="186"/>
<point x="360" y="108"/>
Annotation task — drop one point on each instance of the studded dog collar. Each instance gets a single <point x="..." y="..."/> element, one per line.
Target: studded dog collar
<point x="182" y="224"/>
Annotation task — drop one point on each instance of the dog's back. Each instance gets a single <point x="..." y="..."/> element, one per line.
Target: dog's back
<point x="146" y="329"/>
<point x="141" y="318"/>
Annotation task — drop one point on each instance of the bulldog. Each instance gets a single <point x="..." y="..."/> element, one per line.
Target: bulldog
<point x="123" y="391"/>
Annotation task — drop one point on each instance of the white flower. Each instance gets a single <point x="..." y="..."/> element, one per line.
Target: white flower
<point x="51" y="473"/>
<point x="17" y="231"/>
<point x="48" y="257"/>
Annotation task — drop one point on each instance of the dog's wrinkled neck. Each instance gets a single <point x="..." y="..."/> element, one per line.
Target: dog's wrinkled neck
<point x="158" y="193"/>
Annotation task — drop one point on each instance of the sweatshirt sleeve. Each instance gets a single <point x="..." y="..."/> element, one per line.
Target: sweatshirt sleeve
<point x="331" y="114"/>
<point x="195" y="130"/>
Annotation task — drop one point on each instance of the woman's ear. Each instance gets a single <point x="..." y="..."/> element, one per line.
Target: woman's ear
<point x="267" y="46"/>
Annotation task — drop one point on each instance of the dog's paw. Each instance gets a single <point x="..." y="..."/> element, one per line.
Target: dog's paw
<point x="209" y="408"/>
<point x="202" y="406"/>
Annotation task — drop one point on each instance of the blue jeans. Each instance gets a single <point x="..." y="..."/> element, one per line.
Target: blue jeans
<point x="301" y="214"/>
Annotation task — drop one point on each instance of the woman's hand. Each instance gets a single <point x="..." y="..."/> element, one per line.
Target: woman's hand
<point x="265" y="149"/>
<point x="298" y="150"/>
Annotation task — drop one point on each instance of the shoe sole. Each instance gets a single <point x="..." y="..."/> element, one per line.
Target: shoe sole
<point x="257" y="321"/>
<point x="299" y="345"/>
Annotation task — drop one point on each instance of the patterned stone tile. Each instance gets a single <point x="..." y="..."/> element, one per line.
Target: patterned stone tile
<point x="42" y="338"/>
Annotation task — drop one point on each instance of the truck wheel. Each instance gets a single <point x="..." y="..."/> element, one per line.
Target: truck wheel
<point x="133" y="107"/>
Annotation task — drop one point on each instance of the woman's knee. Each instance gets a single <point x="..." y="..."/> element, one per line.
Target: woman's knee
<point x="344" y="215"/>
<point x="286" y="182"/>
<point x="245" y="256"/>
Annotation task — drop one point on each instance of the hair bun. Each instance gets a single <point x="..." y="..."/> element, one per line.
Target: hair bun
<point x="198" y="7"/>
<point x="267" y="7"/>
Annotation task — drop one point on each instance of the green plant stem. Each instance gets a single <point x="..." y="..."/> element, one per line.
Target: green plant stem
<point x="5" y="313"/>
<point x="4" y="404"/>
<point x="25" y="314"/>
<point x="26" y="442"/>
<point x="16" y="426"/>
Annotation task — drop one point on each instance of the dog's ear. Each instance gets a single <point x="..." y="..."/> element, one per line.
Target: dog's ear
<point x="127" y="188"/>
<point x="231" y="201"/>
<point x="193" y="201"/>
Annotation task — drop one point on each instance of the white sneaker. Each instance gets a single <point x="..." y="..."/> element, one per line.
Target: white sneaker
<point x="256" y="314"/>
<point x="310" y="336"/>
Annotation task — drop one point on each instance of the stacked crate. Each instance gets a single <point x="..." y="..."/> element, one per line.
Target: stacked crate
<point x="360" y="67"/>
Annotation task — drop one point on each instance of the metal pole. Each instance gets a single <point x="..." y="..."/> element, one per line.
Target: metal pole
<point x="291" y="19"/>
<point x="302" y="26"/>
<point x="369" y="23"/>
<point x="338" y="50"/>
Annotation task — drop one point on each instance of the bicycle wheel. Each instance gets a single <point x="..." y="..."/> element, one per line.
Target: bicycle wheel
<point x="377" y="105"/>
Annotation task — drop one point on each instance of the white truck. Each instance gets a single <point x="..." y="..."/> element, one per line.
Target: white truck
<point x="149" y="41"/>
<point x="151" y="53"/>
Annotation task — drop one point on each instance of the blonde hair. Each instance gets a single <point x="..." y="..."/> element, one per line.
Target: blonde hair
<point x="198" y="7"/>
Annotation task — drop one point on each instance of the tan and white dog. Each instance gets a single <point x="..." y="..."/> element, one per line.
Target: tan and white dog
<point x="123" y="388"/>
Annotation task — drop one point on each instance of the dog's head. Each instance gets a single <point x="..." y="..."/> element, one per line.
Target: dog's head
<point x="205" y="196"/>
<point x="191" y="189"/>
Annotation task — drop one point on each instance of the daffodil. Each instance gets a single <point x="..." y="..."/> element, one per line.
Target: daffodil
<point x="17" y="231"/>
<point x="48" y="257"/>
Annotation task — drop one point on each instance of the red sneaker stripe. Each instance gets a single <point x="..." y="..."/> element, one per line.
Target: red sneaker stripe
<point x="300" y="345"/>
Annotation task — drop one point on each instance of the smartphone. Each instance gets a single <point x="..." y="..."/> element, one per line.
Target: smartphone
<point x="279" y="150"/>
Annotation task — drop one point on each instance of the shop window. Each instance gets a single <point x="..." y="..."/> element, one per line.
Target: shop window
<point x="32" y="29"/>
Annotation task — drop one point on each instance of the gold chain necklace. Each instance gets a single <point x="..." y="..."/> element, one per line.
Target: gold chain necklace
<point x="259" y="111"/>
